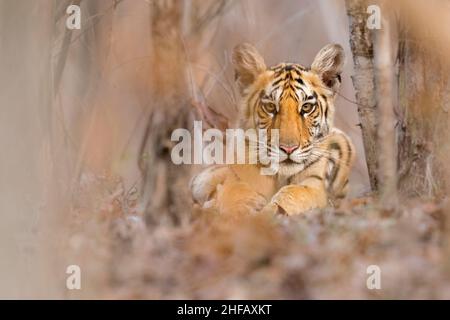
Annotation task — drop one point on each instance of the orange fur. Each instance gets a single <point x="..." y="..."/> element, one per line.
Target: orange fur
<point x="315" y="158"/>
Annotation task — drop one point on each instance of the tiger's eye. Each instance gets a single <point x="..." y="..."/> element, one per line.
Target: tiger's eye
<point x="270" y="107"/>
<point x="307" y="108"/>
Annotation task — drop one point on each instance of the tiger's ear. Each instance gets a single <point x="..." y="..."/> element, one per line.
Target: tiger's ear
<point x="328" y="64"/>
<point x="248" y="64"/>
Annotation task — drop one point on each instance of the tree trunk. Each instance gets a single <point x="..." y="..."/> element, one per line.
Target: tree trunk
<point x="169" y="111"/>
<point x="174" y="25"/>
<point x="363" y="81"/>
<point x="385" y="53"/>
<point x="420" y="103"/>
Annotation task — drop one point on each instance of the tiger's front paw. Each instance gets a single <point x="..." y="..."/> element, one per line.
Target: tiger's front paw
<point x="239" y="198"/>
<point x="294" y="199"/>
<point x="272" y="209"/>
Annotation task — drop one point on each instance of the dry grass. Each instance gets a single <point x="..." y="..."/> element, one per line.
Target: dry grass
<point x="321" y="254"/>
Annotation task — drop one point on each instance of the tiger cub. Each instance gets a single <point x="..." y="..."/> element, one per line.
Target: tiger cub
<point x="314" y="157"/>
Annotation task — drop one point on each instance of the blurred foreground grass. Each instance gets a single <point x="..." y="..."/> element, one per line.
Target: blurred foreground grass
<point x="318" y="255"/>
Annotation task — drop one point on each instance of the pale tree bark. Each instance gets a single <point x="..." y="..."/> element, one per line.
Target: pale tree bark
<point x="169" y="111"/>
<point x="174" y="25"/>
<point x="385" y="53"/>
<point x="28" y="256"/>
<point x="412" y="105"/>
<point x="363" y="81"/>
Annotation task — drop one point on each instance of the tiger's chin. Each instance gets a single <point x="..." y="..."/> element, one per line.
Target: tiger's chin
<point x="289" y="168"/>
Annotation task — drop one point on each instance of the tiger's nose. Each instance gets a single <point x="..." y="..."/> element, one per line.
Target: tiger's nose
<point x="288" y="149"/>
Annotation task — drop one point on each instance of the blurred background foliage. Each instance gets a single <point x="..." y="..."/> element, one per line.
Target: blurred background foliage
<point x="86" y="171"/>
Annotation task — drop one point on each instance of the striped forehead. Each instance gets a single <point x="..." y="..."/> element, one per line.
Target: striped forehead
<point x="288" y="77"/>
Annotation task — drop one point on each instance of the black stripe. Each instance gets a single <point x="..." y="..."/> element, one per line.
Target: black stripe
<point x="300" y="81"/>
<point x="277" y="81"/>
<point x="325" y="106"/>
<point x="291" y="86"/>
<point x="349" y="149"/>
<point x="333" y="172"/>
<point x="250" y="98"/>
<point x="314" y="176"/>
<point x="274" y="89"/>
<point x="345" y="184"/>
<point x="336" y="146"/>
<point x="307" y="165"/>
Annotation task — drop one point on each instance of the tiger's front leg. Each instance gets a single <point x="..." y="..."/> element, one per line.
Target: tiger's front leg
<point x="236" y="197"/>
<point x="295" y="199"/>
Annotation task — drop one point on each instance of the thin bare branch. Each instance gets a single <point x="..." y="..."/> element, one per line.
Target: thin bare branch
<point x="384" y="54"/>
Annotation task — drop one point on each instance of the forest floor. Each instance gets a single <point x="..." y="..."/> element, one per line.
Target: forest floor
<point x="318" y="255"/>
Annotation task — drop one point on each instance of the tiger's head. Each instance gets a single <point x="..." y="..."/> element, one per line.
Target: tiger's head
<point x="296" y="100"/>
